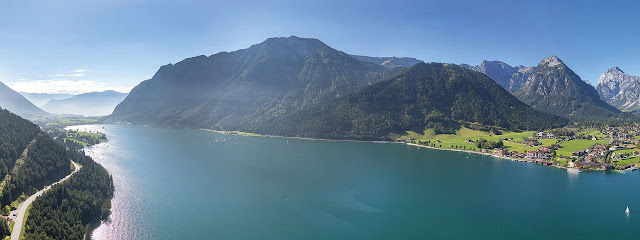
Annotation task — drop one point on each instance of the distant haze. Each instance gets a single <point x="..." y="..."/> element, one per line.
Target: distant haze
<point x="40" y="99"/>
<point x="87" y="104"/>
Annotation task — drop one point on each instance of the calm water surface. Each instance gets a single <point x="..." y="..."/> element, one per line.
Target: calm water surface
<point x="191" y="184"/>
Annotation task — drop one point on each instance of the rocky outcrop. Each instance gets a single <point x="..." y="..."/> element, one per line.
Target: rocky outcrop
<point x="620" y="89"/>
<point x="510" y="78"/>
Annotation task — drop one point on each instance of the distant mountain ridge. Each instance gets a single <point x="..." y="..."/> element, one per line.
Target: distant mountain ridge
<point x="18" y="104"/>
<point x="510" y="78"/>
<point x="620" y="89"/>
<point x="435" y="95"/>
<point x="40" y="99"/>
<point x="235" y="90"/>
<point x="87" y="104"/>
<point x="555" y="88"/>
<point x="389" y="62"/>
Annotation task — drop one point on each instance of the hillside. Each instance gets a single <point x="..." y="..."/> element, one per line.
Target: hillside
<point x="28" y="158"/>
<point x="18" y="104"/>
<point x="554" y="88"/>
<point x="434" y="95"/>
<point x="620" y="89"/>
<point x="87" y="104"/>
<point x="240" y="89"/>
<point x="510" y="78"/>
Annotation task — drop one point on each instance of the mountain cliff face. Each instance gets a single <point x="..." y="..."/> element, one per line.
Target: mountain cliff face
<point x="554" y="88"/>
<point x="620" y="89"/>
<point x="87" y="104"/>
<point x="434" y="95"/>
<point x="389" y="62"/>
<point x="510" y="78"/>
<point x="233" y="90"/>
<point x="18" y="104"/>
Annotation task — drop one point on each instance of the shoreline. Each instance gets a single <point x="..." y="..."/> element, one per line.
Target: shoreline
<point x="486" y="154"/>
<point x="299" y="138"/>
<point x="410" y="144"/>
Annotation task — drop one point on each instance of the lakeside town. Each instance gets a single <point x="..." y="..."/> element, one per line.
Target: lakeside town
<point x="573" y="148"/>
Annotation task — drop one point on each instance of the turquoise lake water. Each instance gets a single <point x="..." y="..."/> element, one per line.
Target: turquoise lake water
<point x="192" y="184"/>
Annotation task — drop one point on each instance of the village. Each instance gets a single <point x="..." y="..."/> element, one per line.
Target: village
<point x="577" y="149"/>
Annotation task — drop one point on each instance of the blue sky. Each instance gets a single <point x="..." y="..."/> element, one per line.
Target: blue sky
<point x="78" y="46"/>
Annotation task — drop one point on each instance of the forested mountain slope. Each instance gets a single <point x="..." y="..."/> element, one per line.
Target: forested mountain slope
<point x="434" y="95"/>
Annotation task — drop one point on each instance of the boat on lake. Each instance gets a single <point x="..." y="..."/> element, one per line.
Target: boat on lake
<point x="627" y="211"/>
<point x="574" y="170"/>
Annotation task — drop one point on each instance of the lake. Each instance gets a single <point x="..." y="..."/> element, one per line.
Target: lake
<point x="193" y="184"/>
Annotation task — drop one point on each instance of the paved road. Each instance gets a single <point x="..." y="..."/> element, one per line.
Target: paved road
<point x="22" y="208"/>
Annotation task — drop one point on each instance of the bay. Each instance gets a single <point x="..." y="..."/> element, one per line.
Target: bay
<point x="194" y="184"/>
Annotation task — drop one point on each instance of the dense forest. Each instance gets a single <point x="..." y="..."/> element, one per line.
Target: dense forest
<point x="70" y="210"/>
<point x="45" y="163"/>
<point x="15" y="134"/>
<point x="437" y="96"/>
<point x="30" y="160"/>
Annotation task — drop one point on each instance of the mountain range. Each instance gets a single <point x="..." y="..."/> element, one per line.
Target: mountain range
<point x="87" y="104"/>
<point x="18" y="104"/>
<point x="551" y="87"/>
<point x="620" y="89"/>
<point x="234" y="90"/>
<point x="555" y="88"/>
<point x="40" y="99"/>
<point x="289" y="83"/>
<point x="435" y="95"/>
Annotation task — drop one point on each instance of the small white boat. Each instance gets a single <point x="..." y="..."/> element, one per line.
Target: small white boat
<point x="627" y="211"/>
<point x="634" y="168"/>
<point x="574" y="170"/>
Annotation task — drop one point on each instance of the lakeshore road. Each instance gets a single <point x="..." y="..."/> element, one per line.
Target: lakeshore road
<point x="18" y="215"/>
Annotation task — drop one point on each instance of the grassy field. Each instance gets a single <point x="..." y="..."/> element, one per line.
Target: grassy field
<point x="85" y="138"/>
<point x="458" y="139"/>
<point x="595" y="133"/>
<point x="569" y="147"/>
<point x="633" y="160"/>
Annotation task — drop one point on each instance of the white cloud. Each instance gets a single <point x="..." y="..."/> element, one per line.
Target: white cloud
<point x="67" y="75"/>
<point x="81" y="70"/>
<point x="63" y="86"/>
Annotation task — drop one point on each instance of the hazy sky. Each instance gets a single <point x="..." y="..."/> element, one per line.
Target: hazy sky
<point x="79" y="46"/>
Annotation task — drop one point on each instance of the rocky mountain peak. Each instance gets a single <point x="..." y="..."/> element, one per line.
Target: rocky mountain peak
<point x="620" y="89"/>
<point x="510" y="78"/>
<point x="551" y="61"/>
<point x="614" y="70"/>
<point x="615" y="74"/>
